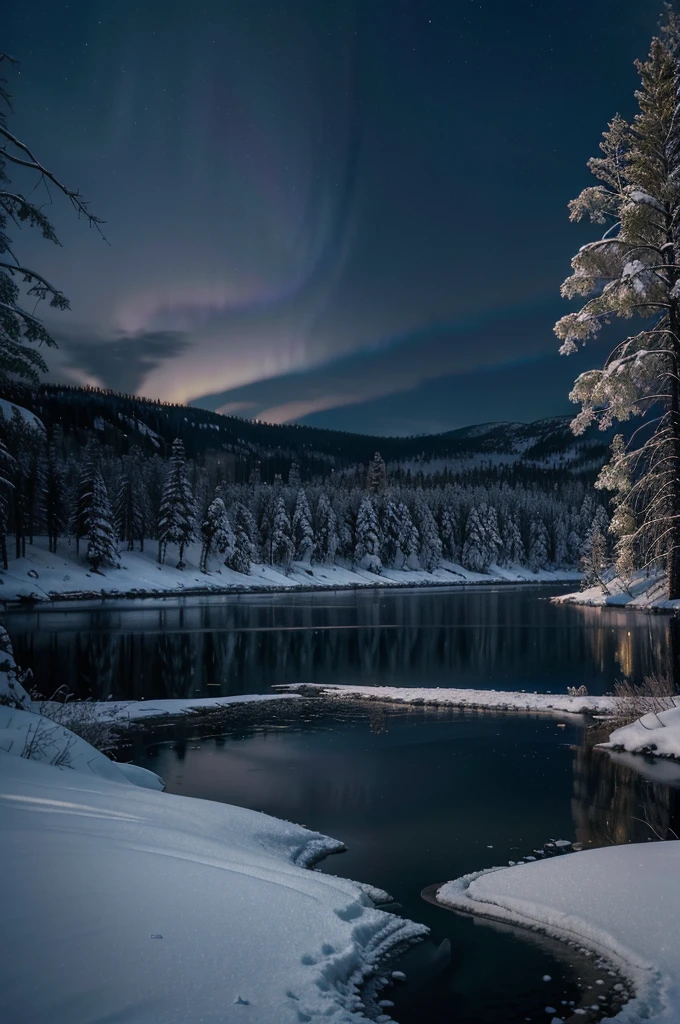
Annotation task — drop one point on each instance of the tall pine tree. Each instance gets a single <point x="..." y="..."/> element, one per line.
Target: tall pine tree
<point x="178" y="508"/>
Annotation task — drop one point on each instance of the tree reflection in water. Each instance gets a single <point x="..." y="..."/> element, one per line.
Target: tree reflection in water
<point x="623" y="798"/>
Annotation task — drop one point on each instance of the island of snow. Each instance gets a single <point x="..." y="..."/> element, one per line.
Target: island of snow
<point x="621" y="902"/>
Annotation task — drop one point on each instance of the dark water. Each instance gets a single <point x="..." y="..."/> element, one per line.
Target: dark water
<point x="421" y="796"/>
<point x="503" y="637"/>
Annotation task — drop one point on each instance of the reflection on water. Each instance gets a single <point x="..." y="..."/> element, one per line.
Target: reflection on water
<point x="420" y="796"/>
<point x="504" y="638"/>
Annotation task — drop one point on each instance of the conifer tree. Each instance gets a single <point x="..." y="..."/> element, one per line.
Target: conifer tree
<point x="244" y="539"/>
<point x="101" y="534"/>
<point x="594" y="560"/>
<point x="475" y="555"/>
<point x="131" y="509"/>
<point x="448" y="530"/>
<point x="326" y="533"/>
<point x="393" y="536"/>
<point x="82" y="509"/>
<point x="217" y="534"/>
<point x="376" y="480"/>
<point x="294" y="476"/>
<point x="55" y="497"/>
<point x="634" y="270"/>
<point x="538" y="545"/>
<point x="303" y="534"/>
<point x="178" y="508"/>
<point x="409" y="540"/>
<point x="513" y="546"/>
<point x="282" y="541"/>
<point x="430" y="553"/>
<point x="367" y="549"/>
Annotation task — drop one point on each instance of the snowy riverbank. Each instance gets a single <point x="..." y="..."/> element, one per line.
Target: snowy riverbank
<point x="166" y="907"/>
<point x="42" y="576"/>
<point x="622" y="903"/>
<point x="490" y="700"/>
<point x="643" y="592"/>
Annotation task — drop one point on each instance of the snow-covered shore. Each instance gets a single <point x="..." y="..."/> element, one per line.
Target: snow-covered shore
<point x="123" y="712"/>
<point x="146" y="908"/>
<point x="622" y="903"/>
<point x="656" y="733"/>
<point x="645" y="592"/>
<point x="42" y="576"/>
<point x="491" y="700"/>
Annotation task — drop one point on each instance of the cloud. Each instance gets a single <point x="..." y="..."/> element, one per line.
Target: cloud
<point x="122" y="362"/>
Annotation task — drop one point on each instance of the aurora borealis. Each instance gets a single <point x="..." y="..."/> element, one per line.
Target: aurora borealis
<point x="349" y="213"/>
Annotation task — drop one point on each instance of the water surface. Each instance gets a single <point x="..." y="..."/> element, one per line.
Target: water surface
<point x="493" y="637"/>
<point x="421" y="796"/>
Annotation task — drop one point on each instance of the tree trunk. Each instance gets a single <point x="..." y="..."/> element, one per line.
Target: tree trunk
<point x="673" y="535"/>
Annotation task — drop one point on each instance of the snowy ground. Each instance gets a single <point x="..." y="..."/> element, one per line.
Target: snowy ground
<point x="643" y="592"/>
<point x="137" y="906"/>
<point x="621" y="902"/>
<point x="41" y="576"/>
<point x="492" y="700"/>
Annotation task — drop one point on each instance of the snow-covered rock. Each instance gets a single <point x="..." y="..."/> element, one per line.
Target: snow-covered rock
<point x="653" y="733"/>
<point x="644" y="591"/>
<point x="147" y="908"/>
<point x="622" y="902"/>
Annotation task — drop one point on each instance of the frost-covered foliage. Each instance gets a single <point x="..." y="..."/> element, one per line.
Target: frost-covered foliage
<point x="216" y="533"/>
<point x="634" y="270"/>
<point x="101" y="535"/>
<point x="367" y="550"/>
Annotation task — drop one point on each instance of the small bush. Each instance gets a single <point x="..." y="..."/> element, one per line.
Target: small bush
<point x="652" y="695"/>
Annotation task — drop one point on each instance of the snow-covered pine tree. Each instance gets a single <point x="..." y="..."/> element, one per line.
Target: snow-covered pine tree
<point x="245" y="531"/>
<point x="560" y="532"/>
<point x="376" y="477"/>
<point x="79" y="523"/>
<point x="101" y="533"/>
<point x="493" y="540"/>
<point x="303" y="533"/>
<point x="448" y="532"/>
<point x="367" y="550"/>
<point x="409" y="539"/>
<point x="294" y="476"/>
<point x="538" y="545"/>
<point x="178" y="508"/>
<point x="430" y="552"/>
<point x="594" y="560"/>
<point x="634" y="269"/>
<point x="475" y="555"/>
<point x="55" y="496"/>
<point x="326" y="532"/>
<point x="513" y="546"/>
<point x="392" y="534"/>
<point x="216" y="534"/>
<point x="131" y="508"/>
<point x="282" y="541"/>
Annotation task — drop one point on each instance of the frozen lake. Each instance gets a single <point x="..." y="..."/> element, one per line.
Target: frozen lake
<point x="483" y="636"/>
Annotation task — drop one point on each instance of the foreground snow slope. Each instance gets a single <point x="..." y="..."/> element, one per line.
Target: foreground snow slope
<point x="622" y="902"/>
<point x="653" y="733"/>
<point x="493" y="700"/>
<point x="128" y="905"/>
<point x="43" y="576"/>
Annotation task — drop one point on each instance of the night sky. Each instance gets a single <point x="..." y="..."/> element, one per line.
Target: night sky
<point x="350" y="214"/>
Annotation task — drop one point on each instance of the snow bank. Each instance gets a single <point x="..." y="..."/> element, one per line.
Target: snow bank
<point x="643" y="592"/>
<point x="24" y="734"/>
<point x="42" y="576"/>
<point x="145" y="908"/>
<point x="493" y="700"/>
<point x="622" y="902"/>
<point x="653" y="733"/>
<point x="121" y="712"/>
